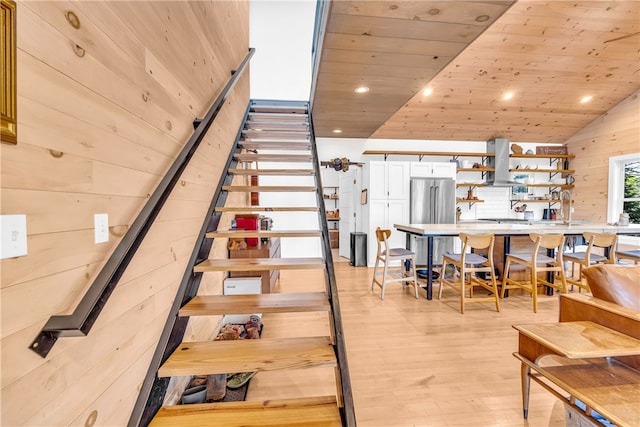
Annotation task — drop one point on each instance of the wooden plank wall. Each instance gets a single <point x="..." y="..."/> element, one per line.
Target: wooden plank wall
<point x="615" y="133"/>
<point x="107" y="92"/>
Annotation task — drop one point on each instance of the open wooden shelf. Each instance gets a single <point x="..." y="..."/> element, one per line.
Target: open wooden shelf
<point x="543" y="156"/>
<point x="429" y="153"/>
<point x="480" y="169"/>
<point x="542" y="170"/>
<point x="471" y="184"/>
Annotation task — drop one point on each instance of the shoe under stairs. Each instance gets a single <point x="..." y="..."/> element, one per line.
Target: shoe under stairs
<point x="279" y="134"/>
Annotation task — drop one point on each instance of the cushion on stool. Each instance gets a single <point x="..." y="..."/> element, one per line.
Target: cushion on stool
<point x="401" y="252"/>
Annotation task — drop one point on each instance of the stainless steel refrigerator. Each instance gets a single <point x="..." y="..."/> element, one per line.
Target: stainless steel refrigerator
<point x="433" y="201"/>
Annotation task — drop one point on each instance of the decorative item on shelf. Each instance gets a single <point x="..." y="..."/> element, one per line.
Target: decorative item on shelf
<point x="552" y="149"/>
<point x="529" y="152"/>
<point x="340" y="164"/>
<point x="521" y="208"/>
<point x="624" y="219"/>
<point x="470" y="194"/>
<point x="516" y="149"/>
<point x="333" y="214"/>
<point x="247" y="222"/>
<point x="477" y="165"/>
<point x="266" y="224"/>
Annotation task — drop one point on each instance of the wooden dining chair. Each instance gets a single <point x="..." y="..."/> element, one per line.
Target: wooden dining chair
<point x="392" y="273"/>
<point x="535" y="263"/>
<point x="469" y="264"/>
<point x="604" y="241"/>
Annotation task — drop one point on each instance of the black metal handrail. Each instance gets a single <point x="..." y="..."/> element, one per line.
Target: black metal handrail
<point x="80" y="322"/>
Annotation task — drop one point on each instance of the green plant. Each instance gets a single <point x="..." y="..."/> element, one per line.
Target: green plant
<point x="632" y="191"/>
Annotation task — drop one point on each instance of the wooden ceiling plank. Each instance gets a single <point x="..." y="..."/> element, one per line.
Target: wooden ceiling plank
<point x="347" y="83"/>
<point x="331" y="67"/>
<point x="385" y="58"/>
<point x="458" y="12"/>
<point x="549" y="53"/>
<point x="391" y="45"/>
<point x="402" y="28"/>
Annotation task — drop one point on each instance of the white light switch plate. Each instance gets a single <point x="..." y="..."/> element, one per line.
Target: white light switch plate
<point x="13" y="229"/>
<point x="101" y="224"/>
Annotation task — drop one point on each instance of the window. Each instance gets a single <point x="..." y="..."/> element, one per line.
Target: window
<point x="624" y="187"/>
<point x="624" y="192"/>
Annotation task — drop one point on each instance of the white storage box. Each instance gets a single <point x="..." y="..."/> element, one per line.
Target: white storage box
<point x="241" y="286"/>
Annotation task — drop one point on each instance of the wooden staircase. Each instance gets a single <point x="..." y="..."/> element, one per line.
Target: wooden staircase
<point x="283" y="127"/>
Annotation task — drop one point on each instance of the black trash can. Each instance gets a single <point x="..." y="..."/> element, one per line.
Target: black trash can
<point x="358" y="253"/>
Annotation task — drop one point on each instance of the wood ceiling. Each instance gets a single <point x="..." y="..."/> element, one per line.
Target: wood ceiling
<point x="548" y="54"/>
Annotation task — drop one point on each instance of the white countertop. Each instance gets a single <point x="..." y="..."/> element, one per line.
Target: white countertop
<point x="513" y="229"/>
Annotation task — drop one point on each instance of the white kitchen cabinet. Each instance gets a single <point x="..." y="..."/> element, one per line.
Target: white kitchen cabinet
<point x="377" y="182"/>
<point x="388" y="202"/>
<point x="433" y="170"/>
<point x="388" y="180"/>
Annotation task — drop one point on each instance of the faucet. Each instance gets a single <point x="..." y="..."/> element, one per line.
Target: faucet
<point x="565" y="195"/>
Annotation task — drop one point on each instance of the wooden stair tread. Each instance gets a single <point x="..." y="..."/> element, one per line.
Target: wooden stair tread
<point x="276" y="145"/>
<point x="271" y="171"/>
<point x="310" y="411"/>
<point x="250" y="157"/>
<point x="280" y="109"/>
<point x="208" y="305"/>
<point x="279" y="117"/>
<point x="250" y="134"/>
<point x="250" y="209"/>
<point x="270" y="188"/>
<point x="274" y="124"/>
<point x="259" y="264"/>
<point x="264" y="233"/>
<point x="266" y="354"/>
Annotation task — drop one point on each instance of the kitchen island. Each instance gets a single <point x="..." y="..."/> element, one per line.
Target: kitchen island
<point x="506" y="230"/>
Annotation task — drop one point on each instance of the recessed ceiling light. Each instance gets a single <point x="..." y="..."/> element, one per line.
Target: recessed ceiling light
<point x="586" y="99"/>
<point x="361" y="89"/>
<point x="337" y="131"/>
<point x="507" y="96"/>
<point x="428" y="91"/>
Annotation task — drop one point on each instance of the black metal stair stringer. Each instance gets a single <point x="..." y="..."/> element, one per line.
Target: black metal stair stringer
<point x="347" y="410"/>
<point x="153" y="388"/>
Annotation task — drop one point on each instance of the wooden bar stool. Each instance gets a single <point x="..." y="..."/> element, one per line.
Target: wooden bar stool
<point x="587" y="258"/>
<point x="537" y="263"/>
<point x="386" y="255"/>
<point x="468" y="264"/>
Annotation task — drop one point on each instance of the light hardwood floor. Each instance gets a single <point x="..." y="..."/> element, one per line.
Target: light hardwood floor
<point x="417" y="362"/>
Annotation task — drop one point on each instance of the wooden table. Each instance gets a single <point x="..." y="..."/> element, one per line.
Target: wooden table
<point x="430" y="231"/>
<point x="577" y="357"/>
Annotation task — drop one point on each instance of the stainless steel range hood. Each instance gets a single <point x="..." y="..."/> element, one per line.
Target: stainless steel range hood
<point x="500" y="163"/>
